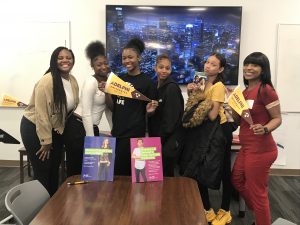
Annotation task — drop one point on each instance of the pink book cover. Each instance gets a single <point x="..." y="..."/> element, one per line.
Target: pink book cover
<point x="146" y="159"/>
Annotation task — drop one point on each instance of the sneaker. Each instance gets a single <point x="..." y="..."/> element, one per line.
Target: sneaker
<point x="210" y="215"/>
<point x="223" y="217"/>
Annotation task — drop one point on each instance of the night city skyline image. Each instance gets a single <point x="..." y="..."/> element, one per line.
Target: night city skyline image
<point x="187" y="34"/>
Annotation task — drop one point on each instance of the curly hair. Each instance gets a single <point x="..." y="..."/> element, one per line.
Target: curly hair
<point x="137" y="45"/>
<point x="95" y="49"/>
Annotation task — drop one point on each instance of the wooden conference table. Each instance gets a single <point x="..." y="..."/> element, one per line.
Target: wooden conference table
<point x="175" y="201"/>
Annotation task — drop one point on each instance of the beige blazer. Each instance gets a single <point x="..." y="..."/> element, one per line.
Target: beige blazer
<point x="41" y="110"/>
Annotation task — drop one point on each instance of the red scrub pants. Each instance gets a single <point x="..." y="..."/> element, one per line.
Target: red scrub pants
<point x="250" y="177"/>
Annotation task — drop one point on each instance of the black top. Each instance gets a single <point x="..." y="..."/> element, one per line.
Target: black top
<point x="168" y="114"/>
<point x="129" y="115"/>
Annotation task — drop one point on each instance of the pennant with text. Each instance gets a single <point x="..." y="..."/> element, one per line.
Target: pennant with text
<point x="9" y="101"/>
<point x="238" y="103"/>
<point x="116" y="86"/>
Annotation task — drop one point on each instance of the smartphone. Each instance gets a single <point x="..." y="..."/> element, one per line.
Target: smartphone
<point x="199" y="76"/>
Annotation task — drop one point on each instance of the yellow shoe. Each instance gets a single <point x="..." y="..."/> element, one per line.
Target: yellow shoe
<point x="223" y="217"/>
<point x="210" y="215"/>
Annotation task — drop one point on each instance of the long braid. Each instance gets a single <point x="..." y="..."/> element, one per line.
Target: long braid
<point x="59" y="94"/>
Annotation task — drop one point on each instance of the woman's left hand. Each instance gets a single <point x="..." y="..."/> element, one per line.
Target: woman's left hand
<point x="44" y="152"/>
<point x="151" y="106"/>
<point x="258" y="129"/>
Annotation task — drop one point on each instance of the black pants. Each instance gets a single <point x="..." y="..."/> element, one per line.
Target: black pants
<point x="142" y="172"/>
<point x="122" y="158"/>
<point x="74" y="135"/>
<point x="169" y="155"/>
<point x="168" y="166"/>
<point x="226" y="174"/>
<point x="47" y="171"/>
<point x="103" y="169"/>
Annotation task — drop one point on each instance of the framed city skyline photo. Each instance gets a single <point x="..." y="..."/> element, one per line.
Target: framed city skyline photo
<point x="188" y="34"/>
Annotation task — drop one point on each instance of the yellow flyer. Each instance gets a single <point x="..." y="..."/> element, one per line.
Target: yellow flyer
<point x="238" y="103"/>
<point x="116" y="86"/>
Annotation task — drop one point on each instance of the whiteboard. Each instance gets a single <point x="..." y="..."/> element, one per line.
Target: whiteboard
<point x="287" y="80"/>
<point x="26" y="48"/>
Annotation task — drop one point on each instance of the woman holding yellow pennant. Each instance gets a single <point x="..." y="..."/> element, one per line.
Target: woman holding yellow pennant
<point x="251" y="168"/>
<point x="128" y="112"/>
<point x="116" y="86"/>
<point x="238" y="103"/>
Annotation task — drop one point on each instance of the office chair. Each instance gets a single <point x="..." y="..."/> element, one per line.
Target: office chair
<point x="25" y="200"/>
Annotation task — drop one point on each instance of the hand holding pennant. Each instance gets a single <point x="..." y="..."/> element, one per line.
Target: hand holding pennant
<point x="238" y="103"/>
<point x="116" y="86"/>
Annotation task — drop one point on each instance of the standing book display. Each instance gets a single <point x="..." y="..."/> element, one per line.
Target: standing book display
<point x="98" y="159"/>
<point x="146" y="159"/>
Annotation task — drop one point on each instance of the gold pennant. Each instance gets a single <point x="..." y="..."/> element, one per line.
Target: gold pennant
<point x="116" y="86"/>
<point x="238" y="103"/>
<point x="9" y="101"/>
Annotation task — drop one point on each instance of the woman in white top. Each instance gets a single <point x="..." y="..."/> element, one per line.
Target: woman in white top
<point x="88" y="114"/>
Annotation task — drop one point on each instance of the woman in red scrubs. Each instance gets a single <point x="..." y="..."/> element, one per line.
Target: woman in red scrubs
<point x="258" y="149"/>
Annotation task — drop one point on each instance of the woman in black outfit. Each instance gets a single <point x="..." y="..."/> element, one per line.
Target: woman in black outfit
<point x="129" y="115"/>
<point x="166" y="121"/>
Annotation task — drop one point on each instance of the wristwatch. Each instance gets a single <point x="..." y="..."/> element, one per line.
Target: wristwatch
<point x="266" y="130"/>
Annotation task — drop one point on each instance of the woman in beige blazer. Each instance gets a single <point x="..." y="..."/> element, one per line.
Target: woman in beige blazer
<point x="54" y="97"/>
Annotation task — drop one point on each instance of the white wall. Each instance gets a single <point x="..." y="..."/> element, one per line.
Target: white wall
<point x="259" y="33"/>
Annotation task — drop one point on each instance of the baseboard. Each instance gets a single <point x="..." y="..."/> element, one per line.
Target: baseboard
<point x="10" y="163"/>
<point x="285" y="172"/>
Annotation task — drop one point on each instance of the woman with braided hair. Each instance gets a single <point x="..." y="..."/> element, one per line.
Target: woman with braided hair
<point x="54" y="97"/>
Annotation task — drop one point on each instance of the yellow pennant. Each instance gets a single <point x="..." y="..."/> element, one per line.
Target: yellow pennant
<point x="238" y="103"/>
<point x="116" y="86"/>
<point x="9" y="101"/>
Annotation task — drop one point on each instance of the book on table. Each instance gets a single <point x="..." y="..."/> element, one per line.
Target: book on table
<point x="98" y="158"/>
<point x="146" y="159"/>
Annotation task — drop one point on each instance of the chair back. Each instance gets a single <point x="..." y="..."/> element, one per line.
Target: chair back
<point x="25" y="200"/>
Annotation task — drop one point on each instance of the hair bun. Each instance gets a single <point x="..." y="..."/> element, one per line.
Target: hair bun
<point x="94" y="49"/>
<point x="136" y="44"/>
